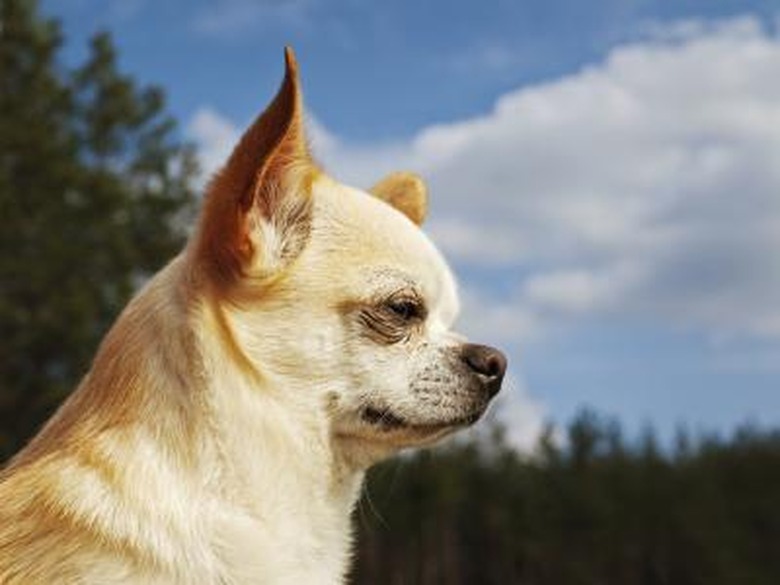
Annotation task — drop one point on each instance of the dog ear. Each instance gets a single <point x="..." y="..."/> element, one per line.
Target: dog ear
<point x="257" y="210"/>
<point x="406" y="192"/>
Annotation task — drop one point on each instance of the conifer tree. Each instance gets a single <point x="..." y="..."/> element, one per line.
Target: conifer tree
<point x="94" y="187"/>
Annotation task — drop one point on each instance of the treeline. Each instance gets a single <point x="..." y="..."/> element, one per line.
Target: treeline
<point x="598" y="510"/>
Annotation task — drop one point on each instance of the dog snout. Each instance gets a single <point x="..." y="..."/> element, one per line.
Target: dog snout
<point x="488" y="363"/>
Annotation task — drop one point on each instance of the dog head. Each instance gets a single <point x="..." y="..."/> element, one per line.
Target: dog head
<point x="332" y="299"/>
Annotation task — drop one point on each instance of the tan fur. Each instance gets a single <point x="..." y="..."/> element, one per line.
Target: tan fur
<point x="406" y="192"/>
<point x="222" y="432"/>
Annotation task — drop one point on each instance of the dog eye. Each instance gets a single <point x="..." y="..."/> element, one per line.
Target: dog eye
<point x="405" y="309"/>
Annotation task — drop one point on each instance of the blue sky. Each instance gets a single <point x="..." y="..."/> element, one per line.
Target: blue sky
<point x="605" y="175"/>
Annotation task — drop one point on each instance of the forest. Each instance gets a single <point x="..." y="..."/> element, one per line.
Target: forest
<point x="95" y="188"/>
<point x="593" y="508"/>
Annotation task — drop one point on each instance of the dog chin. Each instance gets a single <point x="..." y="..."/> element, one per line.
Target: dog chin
<point x="385" y="420"/>
<point x="381" y="430"/>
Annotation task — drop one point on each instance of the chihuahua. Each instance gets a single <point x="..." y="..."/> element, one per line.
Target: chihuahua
<point x="223" y="430"/>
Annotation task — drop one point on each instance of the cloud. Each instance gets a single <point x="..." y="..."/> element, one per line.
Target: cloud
<point x="215" y="136"/>
<point x="522" y="417"/>
<point x="358" y="164"/>
<point x="645" y="187"/>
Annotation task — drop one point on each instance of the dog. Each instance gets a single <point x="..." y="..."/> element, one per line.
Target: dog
<point x="223" y="430"/>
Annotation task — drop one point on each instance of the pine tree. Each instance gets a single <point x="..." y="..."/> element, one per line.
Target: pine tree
<point x="94" y="187"/>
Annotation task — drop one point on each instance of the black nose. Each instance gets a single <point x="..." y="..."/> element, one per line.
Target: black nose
<point x="488" y="362"/>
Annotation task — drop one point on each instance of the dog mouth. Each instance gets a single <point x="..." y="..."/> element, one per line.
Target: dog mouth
<point x="387" y="420"/>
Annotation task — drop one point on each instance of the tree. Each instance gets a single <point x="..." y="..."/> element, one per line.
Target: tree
<point x="595" y="510"/>
<point x="94" y="190"/>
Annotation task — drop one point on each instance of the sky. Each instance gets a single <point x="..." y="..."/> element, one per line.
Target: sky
<point x="604" y="176"/>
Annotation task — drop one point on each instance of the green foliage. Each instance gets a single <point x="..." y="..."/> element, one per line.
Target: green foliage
<point x="596" y="510"/>
<point x="94" y="191"/>
<point x="94" y="188"/>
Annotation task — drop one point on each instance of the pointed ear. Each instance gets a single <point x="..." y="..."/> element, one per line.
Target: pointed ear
<point x="257" y="211"/>
<point x="406" y="192"/>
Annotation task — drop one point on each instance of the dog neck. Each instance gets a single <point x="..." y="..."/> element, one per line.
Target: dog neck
<point x="188" y="447"/>
<point x="286" y="498"/>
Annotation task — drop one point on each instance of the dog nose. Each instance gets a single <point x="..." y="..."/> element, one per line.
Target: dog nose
<point x="488" y="362"/>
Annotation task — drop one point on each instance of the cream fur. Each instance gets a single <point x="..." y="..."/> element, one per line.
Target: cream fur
<point x="222" y="433"/>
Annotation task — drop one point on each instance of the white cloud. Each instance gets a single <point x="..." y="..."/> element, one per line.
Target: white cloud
<point x="522" y="417"/>
<point x="646" y="185"/>
<point x="579" y="290"/>
<point x="358" y="164"/>
<point x="490" y="318"/>
<point x="465" y="240"/>
<point x="215" y="136"/>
